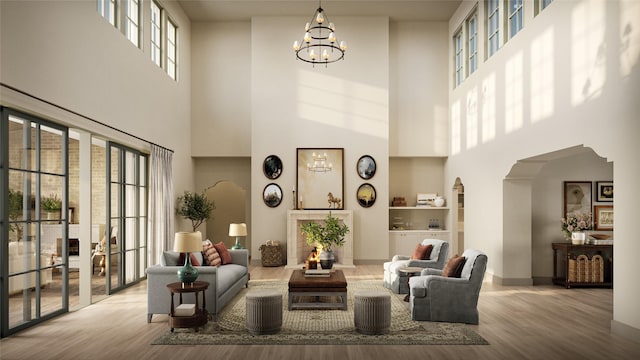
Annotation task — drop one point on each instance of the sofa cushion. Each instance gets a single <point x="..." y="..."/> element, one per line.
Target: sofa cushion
<point x="194" y="259"/>
<point x="453" y="267"/>
<point x="224" y="253"/>
<point x="170" y="258"/>
<point x="228" y="275"/>
<point x="211" y="256"/>
<point x="422" y="252"/>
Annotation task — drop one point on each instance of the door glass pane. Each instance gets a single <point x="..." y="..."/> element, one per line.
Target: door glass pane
<point x="143" y="171"/>
<point x="21" y="299"/>
<point x="51" y="150"/>
<point x="51" y="291"/>
<point x="130" y="171"/>
<point x="22" y="154"/>
<point x="130" y="238"/>
<point x="130" y="201"/>
<point x="115" y="200"/>
<point x="115" y="162"/>
<point x="130" y="266"/>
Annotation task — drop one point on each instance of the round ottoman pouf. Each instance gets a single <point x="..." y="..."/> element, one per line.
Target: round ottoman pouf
<point x="372" y="312"/>
<point x="264" y="312"/>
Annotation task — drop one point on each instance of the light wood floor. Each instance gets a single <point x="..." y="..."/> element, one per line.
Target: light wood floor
<point x="541" y="322"/>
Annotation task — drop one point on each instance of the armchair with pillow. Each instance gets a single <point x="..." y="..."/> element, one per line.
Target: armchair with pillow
<point x="450" y="294"/>
<point x="431" y="253"/>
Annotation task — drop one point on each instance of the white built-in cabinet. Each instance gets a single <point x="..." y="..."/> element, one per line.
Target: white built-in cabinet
<point x="409" y="225"/>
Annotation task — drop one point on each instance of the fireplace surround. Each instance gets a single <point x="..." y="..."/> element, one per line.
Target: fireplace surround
<point x="297" y="248"/>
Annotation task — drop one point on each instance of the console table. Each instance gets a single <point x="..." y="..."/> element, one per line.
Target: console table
<point x="200" y="317"/>
<point x="563" y="252"/>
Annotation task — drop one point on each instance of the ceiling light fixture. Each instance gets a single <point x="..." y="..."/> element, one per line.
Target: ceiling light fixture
<point x="318" y="45"/>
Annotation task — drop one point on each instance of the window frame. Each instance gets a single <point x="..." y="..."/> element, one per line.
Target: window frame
<point x="155" y="37"/>
<point x="172" y="49"/>
<point x="458" y="53"/>
<point x="472" y="38"/>
<point x="110" y="16"/>
<point x="517" y="13"/>
<point x="127" y="20"/>
<point x="492" y="34"/>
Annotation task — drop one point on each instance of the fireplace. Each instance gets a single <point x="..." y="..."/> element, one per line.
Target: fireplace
<point x="297" y="248"/>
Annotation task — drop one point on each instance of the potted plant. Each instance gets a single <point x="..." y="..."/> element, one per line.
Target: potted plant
<point x="51" y="204"/>
<point x="195" y="207"/>
<point x="574" y="226"/>
<point x="330" y="234"/>
<point x="15" y="211"/>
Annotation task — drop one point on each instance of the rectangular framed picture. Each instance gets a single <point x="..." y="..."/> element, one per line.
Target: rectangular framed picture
<point x="603" y="217"/>
<point x="604" y="191"/>
<point x="577" y="197"/>
<point x="320" y="178"/>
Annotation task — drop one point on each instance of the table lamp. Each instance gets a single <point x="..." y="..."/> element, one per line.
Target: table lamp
<point x="237" y="230"/>
<point x="187" y="242"/>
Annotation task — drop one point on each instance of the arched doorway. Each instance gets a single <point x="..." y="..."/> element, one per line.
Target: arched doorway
<point x="230" y="201"/>
<point x="533" y="207"/>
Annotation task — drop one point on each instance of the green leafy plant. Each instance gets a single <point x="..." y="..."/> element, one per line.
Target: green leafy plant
<point x="330" y="234"/>
<point x="51" y="203"/>
<point x="195" y="207"/>
<point x="15" y="210"/>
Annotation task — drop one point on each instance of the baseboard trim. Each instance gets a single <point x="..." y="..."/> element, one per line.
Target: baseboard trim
<point x="626" y="331"/>
<point x="511" y="281"/>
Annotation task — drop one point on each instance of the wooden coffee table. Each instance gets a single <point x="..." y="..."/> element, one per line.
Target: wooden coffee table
<point x="314" y="287"/>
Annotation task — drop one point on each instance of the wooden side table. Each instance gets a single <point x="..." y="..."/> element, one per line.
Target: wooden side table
<point x="410" y="271"/>
<point x="564" y="252"/>
<point x="201" y="315"/>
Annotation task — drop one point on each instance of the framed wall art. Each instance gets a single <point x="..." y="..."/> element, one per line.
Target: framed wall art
<point x="604" y="191"/>
<point x="320" y="178"/>
<point x="603" y="217"/>
<point x="272" y="167"/>
<point x="577" y="197"/>
<point x="272" y="195"/>
<point x="366" y="167"/>
<point x="366" y="195"/>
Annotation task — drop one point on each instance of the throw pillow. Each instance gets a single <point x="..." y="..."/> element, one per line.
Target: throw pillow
<point x="224" y="253"/>
<point x="211" y="256"/>
<point x="192" y="256"/>
<point x="422" y="252"/>
<point x="454" y="266"/>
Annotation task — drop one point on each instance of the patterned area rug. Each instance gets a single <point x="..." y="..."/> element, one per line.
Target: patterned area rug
<point x="322" y="327"/>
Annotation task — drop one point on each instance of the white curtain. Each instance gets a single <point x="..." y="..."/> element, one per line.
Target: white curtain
<point x="161" y="206"/>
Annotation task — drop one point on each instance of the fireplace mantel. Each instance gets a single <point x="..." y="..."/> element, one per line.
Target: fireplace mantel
<point x="297" y="248"/>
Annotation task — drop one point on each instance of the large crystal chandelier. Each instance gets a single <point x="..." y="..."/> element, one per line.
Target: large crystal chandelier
<point x="318" y="45"/>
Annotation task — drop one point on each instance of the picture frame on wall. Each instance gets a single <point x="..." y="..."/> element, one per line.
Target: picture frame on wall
<point x="577" y="197"/>
<point x="272" y="167"/>
<point x="366" y="195"/>
<point x="272" y="195"/>
<point x="604" y="191"/>
<point x="320" y="178"/>
<point x="603" y="217"/>
<point x="366" y="167"/>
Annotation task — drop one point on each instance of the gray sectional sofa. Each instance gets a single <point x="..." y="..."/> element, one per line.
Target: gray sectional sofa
<point x="224" y="281"/>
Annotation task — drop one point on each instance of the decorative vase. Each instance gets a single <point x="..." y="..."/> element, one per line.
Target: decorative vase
<point x="439" y="201"/>
<point x="327" y="259"/>
<point x="578" y="237"/>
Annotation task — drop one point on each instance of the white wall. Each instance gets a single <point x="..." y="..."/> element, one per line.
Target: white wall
<point x="64" y="52"/>
<point x="570" y="77"/>
<point x="345" y="105"/>
<point x="220" y="93"/>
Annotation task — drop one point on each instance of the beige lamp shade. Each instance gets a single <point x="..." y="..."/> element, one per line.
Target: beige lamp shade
<point x="238" y="229"/>
<point x="188" y="241"/>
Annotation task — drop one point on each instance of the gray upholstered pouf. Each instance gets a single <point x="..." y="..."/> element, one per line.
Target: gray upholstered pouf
<point x="264" y="312"/>
<point x="372" y="312"/>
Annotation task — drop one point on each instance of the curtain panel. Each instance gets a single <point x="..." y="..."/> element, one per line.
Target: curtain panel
<point x="161" y="202"/>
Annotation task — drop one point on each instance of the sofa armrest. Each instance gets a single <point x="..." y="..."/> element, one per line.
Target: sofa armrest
<point x="431" y="271"/>
<point x="437" y="285"/>
<point x="240" y="257"/>
<point x="399" y="257"/>
<point x="423" y="263"/>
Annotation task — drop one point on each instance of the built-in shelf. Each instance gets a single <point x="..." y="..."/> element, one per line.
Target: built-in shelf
<point x="417" y="230"/>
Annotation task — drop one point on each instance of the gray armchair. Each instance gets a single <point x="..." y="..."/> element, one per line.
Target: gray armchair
<point x="436" y="298"/>
<point x="397" y="281"/>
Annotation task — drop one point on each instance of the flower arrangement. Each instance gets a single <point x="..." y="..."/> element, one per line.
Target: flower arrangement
<point x="576" y="222"/>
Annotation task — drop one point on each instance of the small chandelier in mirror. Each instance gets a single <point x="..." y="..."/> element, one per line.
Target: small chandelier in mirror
<point x="319" y="44"/>
<point x="320" y="163"/>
